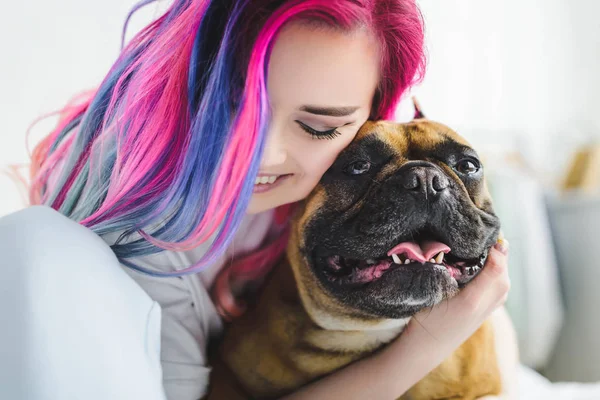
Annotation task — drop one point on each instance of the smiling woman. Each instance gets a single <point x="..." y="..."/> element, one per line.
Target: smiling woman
<point x="321" y="85"/>
<point x="213" y="122"/>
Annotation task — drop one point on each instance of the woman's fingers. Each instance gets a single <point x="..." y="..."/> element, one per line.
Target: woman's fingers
<point x="461" y="315"/>
<point x="490" y="287"/>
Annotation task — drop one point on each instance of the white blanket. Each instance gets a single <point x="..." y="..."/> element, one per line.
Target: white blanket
<point x="534" y="386"/>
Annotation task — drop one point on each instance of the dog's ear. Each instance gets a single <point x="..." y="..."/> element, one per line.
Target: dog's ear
<point x="418" y="112"/>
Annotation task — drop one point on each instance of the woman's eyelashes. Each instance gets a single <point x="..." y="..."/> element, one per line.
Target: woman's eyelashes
<point x="328" y="134"/>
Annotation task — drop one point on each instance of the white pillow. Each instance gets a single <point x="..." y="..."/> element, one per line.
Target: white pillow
<point x="74" y="324"/>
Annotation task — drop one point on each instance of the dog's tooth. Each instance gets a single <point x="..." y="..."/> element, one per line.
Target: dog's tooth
<point x="432" y="261"/>
<point x="396" y="259"/>
<point x="440" y="257"/>
<point x="482" y="259"/>
<point x="407" y="261"/>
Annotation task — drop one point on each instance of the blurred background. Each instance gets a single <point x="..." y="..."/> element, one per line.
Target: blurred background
<point x="518" y="78"/>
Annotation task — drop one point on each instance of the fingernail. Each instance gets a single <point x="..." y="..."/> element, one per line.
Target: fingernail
<point x="502" y="246"/>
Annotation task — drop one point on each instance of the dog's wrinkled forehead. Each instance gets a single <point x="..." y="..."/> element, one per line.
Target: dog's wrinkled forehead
<point x="420" y="133"/>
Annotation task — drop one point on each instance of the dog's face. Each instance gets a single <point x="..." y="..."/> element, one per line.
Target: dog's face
<point x="401" y="221"/>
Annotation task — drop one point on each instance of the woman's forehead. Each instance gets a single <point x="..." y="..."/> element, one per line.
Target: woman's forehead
<point x="311" y="65"/>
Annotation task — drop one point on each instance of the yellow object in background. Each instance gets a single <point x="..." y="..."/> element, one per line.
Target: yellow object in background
<point x="583" y="173"/>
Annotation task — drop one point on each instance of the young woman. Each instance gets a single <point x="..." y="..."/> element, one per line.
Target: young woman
<point x="217" y="118"/>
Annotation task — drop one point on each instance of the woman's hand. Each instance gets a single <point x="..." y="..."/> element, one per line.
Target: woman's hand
<point x="443" y="328"/>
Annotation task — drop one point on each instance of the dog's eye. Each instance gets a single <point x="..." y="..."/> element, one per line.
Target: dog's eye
<point x="358" y="167"/>
<point x="467" y="166"/>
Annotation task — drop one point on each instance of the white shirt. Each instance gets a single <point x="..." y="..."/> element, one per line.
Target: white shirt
<point x="189" y="317"/>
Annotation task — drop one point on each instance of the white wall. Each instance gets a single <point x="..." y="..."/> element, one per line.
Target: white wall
<point x="51" y="50"/>
<point x="516" y="73"/>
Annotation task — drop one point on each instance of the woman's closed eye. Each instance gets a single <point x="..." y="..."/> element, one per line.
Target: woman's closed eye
<point x="328" y="134"/>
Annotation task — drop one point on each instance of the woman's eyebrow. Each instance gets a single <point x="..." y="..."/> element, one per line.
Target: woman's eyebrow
<point x="329" y="111"/>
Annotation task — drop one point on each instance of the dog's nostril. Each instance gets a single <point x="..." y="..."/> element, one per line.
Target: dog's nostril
<point x="411" y="181"/>
<point x="438" y="182"/>
<point x="425" y="180"/>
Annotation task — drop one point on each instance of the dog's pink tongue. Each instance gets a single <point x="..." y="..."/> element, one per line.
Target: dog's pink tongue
<point x="421" y="252"/>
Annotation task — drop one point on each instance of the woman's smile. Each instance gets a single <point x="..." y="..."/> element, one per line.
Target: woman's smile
<point x="265" y="182"/>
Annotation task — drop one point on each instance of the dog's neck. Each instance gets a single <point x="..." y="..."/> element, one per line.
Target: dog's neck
<point x="279" y="327"/>
<point x="340" y="322"/>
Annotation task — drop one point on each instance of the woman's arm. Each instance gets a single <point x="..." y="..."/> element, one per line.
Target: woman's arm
<point x="507" y="353"/>
<point x="391" y="372"/>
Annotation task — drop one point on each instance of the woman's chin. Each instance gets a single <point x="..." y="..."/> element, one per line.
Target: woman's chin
<point x="262" y="202"/>
<point x="265" y="198"/>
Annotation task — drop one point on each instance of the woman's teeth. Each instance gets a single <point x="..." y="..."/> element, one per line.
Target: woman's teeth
<point x="263" y="180"/>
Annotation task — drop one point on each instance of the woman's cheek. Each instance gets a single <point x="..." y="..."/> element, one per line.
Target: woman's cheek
<point x="318" y="155"/>
<point x="325" y="157"/>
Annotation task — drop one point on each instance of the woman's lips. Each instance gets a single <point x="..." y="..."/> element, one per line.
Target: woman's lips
<point x="264" y="183"/>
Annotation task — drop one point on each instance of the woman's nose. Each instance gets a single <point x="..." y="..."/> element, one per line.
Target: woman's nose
<point x="274" y="152"/>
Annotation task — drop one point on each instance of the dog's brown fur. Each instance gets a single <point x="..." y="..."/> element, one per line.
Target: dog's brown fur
<point x="297" y="333"/>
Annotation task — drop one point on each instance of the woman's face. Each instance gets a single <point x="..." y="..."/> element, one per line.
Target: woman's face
<point x="321" y="83"/>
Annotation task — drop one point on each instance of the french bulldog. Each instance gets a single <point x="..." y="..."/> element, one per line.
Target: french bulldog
<point x="400" y="222"/>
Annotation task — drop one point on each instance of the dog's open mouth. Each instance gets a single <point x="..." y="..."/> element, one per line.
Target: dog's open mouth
<point x="410" y="254"/>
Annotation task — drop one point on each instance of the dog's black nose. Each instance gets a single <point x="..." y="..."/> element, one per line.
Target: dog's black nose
<point x="426" y="180"/>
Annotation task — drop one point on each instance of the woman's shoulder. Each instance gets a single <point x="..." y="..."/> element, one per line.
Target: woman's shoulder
<point x="249" y="236"/>
<point x="190" y="294"/>
<point x="41" y="232"/>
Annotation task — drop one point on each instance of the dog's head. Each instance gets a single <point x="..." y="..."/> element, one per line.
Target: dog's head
<point x="401" y="221"/>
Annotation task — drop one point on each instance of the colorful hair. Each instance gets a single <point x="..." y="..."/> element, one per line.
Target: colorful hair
<point x="169" y="145"/>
